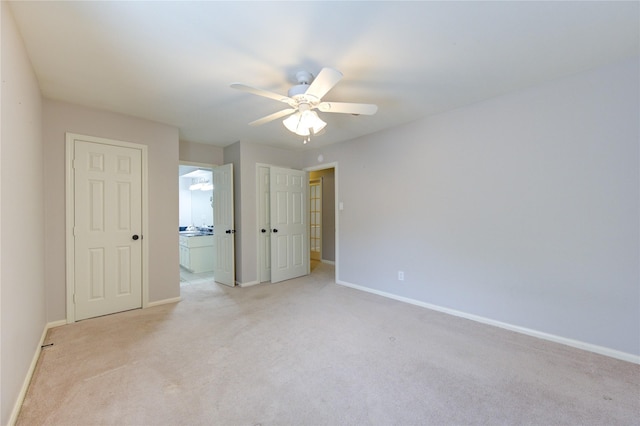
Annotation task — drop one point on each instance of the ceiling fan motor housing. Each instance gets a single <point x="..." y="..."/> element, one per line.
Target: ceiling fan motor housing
<point x="304" y="79"/>
<point x="299" y="89"/>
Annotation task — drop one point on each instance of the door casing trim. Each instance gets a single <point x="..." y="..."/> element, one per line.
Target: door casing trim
<point x="70" y="139"/>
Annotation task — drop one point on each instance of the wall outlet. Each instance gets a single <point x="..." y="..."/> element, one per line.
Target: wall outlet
<point x="400" y="275"/>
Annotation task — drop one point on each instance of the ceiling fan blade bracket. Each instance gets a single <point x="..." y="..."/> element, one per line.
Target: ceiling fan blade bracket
<point x="272" y="117"/>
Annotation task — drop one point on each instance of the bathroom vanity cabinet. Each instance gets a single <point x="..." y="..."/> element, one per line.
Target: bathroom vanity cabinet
<point x="196" y="252"/>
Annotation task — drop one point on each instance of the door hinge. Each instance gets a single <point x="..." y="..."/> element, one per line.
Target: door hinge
<point x="74" y="298"/>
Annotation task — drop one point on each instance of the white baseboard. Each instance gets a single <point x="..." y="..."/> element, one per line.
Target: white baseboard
<point x="328" y="262"/>
<point x="523" y="330"/>
<point x="164" y="302"/>
<point x="32" y="367"/>
<point x="54" y="324"/>
<point x="248" y="284"/>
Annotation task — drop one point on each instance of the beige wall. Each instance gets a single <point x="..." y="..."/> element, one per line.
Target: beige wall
<point x="522" y="209"/>
<point x="162" y="143"/>
<point x="201" y="153"/>
<point x="22" y="276"/>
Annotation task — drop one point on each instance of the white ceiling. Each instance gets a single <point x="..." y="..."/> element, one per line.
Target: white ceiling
<point x="194" y="172"/>
<point x="172" y="62"/>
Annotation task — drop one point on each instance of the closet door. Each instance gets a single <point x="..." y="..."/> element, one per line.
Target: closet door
<point x="223" y="225"/>
<point x="289" y="215"/>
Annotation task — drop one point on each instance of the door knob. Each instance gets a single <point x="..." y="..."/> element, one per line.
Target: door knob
<point x="228" y="231"/>
<point x="275" y="230"/>
<point x="135" y="237"/>
<point x="263" y="230"/>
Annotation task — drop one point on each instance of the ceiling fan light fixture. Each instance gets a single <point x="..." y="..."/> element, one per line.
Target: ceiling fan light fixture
<point x="303" y="98"/>
<point x="304" y="123"/>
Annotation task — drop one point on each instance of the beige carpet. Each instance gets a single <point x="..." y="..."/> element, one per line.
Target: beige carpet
<point x="310" y="352"/>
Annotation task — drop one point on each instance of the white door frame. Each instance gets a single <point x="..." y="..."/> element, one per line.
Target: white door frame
<point x="70" y="216"/>
<point x="333" y="166"/>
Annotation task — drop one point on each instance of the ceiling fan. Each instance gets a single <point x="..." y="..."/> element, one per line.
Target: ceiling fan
<point x="303" y="99"/>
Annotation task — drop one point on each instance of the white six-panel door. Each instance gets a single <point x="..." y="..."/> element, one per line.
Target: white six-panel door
<point x="107" y="229"/>
<point x="223" y="225"/>
<point x="289" y="224"/>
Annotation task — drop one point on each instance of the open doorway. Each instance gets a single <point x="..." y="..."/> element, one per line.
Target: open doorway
<point x="322" y="221"/>
<point x="196" y="224"/>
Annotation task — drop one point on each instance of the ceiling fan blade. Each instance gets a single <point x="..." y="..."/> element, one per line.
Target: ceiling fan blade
<point x="348" y="108"/>
<point x="265" y="93"/>
<point x="272" y="117"/>
<point x="326" y="79"/>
